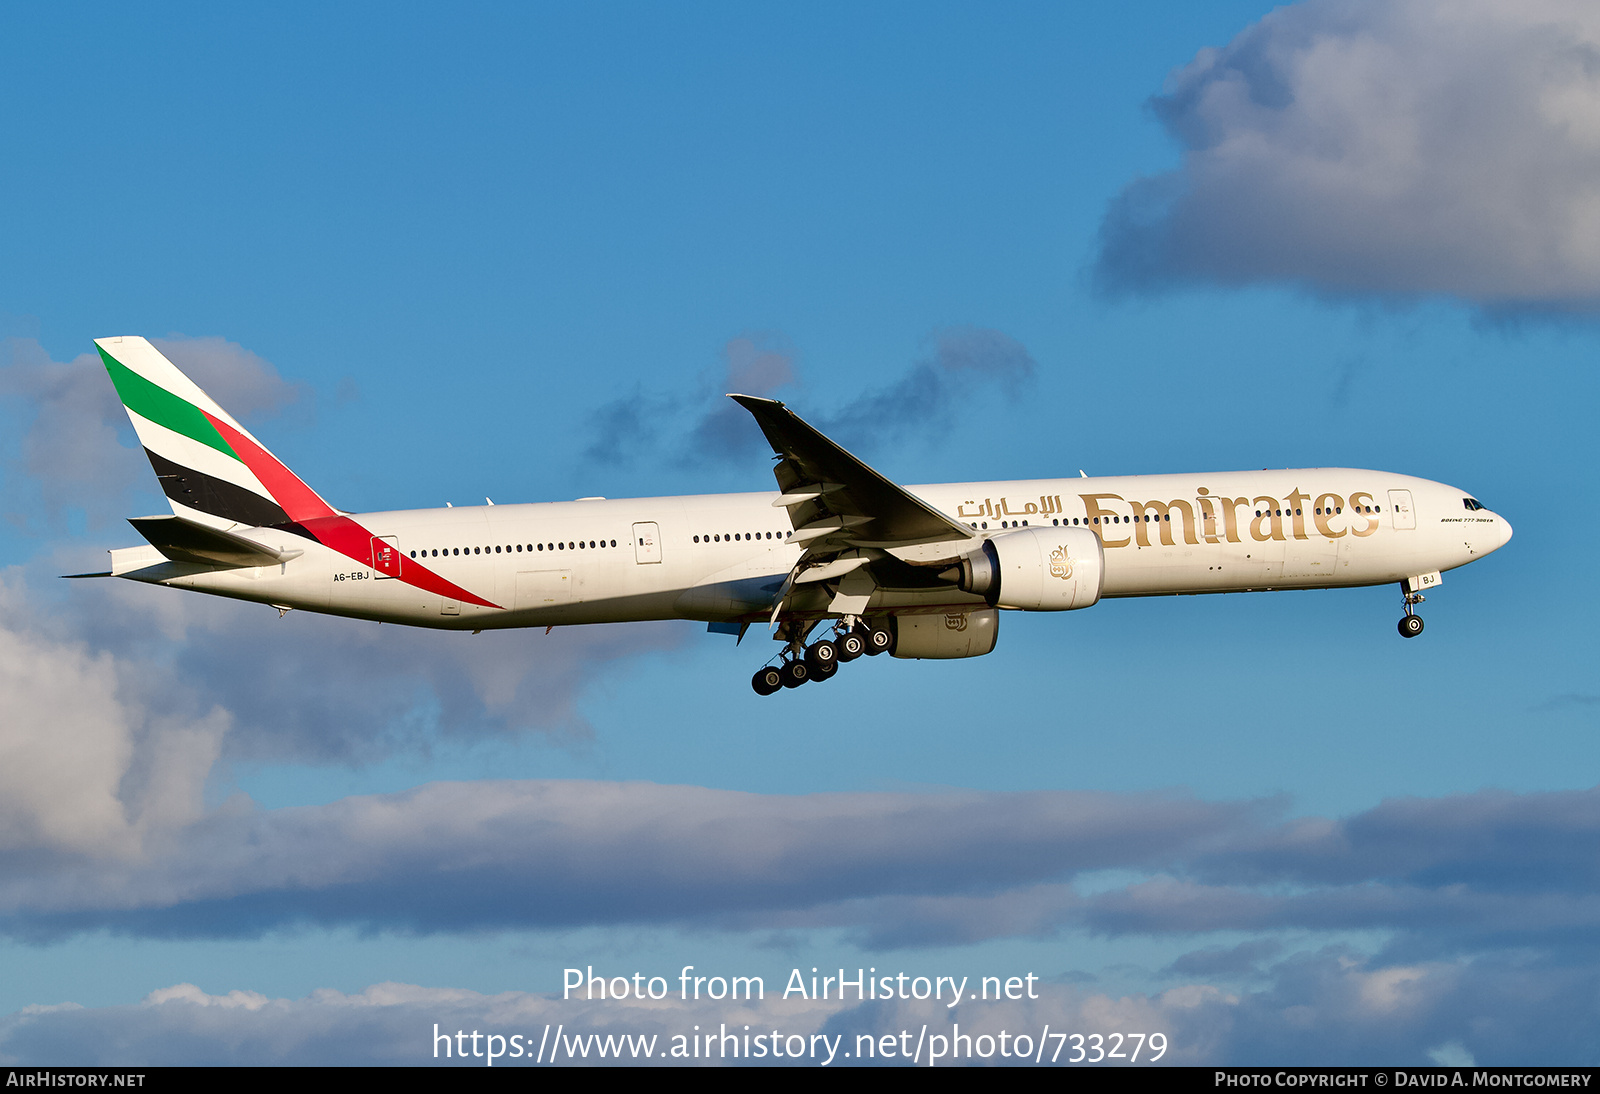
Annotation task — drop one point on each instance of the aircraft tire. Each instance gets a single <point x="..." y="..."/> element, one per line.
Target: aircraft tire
<point x="824" y="671"/>
<point x="767" y="680"/>
<point x="879" y="640"/>
<point x="851" y="645"/>
<point x="820" y="655"/>
<point x="1410" y="626"/>
<point x="794" y="673"/>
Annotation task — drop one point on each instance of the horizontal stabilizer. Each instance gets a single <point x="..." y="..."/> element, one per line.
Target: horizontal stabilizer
<point x="182" y="540"/>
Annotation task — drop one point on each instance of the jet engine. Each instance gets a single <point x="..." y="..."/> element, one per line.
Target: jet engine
<point x="952" y="634"/>
<point x="1035" y="569"/>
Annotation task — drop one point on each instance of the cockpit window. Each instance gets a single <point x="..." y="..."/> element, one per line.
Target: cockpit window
<point x="1473" y="503"/>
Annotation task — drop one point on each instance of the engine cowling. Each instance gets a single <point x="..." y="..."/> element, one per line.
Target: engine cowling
<point x="952" y="634"/>
<point x="1037" y="569"/>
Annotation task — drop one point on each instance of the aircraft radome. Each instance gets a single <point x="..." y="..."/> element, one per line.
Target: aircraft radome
<point x="918" y="571"/>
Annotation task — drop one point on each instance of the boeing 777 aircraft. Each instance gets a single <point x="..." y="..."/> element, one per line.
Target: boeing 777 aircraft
<point x="916" y="571"/>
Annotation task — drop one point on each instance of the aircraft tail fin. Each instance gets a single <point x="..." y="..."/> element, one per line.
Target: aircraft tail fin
<point x="210" y="467"/>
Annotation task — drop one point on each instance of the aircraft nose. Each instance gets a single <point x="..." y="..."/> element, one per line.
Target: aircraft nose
<point x="1505" y="530"/>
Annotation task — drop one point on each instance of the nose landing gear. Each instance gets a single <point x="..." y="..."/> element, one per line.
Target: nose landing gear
<point x="1411" y="623"/>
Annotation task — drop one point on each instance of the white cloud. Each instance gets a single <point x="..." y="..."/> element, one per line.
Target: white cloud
<point x="86" y="767"/>
<point x="1396" y="147"/>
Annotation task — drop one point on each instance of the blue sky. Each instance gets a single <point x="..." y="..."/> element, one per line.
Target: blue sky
<point x="520" y="252"/>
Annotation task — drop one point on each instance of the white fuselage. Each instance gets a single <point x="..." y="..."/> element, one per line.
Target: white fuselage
<point x="724" y="557"/>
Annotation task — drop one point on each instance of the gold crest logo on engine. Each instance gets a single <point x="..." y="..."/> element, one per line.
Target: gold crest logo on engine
<point x="1060" y="564"/>
<point x="955" y="621"/>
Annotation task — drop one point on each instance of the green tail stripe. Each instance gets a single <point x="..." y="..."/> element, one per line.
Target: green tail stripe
<point x="162" y="407"/>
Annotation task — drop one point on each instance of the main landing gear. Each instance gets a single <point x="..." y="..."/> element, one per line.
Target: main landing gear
<point x="1411" y="623"/>
<point x="801" y="664"/>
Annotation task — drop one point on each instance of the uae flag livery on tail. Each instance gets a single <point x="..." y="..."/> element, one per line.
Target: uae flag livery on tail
<point x="216" y="474"/>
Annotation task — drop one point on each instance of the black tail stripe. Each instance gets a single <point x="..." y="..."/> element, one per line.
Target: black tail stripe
<point x="215" y="496"/>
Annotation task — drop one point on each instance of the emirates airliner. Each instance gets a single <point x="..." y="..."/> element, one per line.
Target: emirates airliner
<point x="838" y="562"/>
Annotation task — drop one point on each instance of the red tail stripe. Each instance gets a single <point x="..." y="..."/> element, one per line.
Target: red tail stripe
<point x="297" y="499"/>
<point x="351" y="539"/>
<point x="344" y="535"/>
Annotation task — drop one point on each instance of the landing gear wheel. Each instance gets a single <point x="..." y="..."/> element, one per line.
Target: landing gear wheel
<point x="879" y="640"/>
<point x="767" y="680"/>
<point x="1411" y="624"/>
<point x="824" y="671"/>
<point x="822" y="657"/>
<point x="851" y="645"/>
<point x="794" y="673"/>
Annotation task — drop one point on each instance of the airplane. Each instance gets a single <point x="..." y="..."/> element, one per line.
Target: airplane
<point x="916" y="572"/>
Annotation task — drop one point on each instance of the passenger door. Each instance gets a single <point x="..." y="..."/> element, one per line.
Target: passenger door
<point x="1400" y="511"/>
<point x="646" y="543"/>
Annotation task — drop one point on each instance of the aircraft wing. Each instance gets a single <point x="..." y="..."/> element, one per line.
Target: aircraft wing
<point x="836" y="499"/>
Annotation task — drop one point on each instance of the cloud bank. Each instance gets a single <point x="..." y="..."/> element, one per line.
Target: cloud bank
<point x="1468" y="874"/>
<point x="1468" y="933"/>
<point x="1324" y="1008"/>
<point x="1398" y="148"/>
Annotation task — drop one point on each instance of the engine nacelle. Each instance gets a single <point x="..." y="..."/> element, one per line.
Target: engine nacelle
<point x="953" y="634"/>
<point x="1037" y="569"/>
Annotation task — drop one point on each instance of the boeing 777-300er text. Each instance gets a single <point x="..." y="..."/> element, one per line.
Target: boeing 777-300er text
<point x="876" y="567"/>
